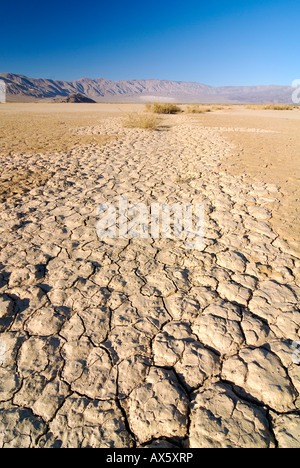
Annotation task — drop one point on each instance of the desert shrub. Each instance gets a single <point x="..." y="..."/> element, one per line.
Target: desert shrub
<point x="147" y="121"/>
<point x="270" y="107"/>
<point x="197" y="109"/>
<point x="163" y="108"/>
<point x="278" y="107"/>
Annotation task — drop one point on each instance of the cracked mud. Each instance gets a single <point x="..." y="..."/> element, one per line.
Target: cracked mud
<point x="142" y="342"/>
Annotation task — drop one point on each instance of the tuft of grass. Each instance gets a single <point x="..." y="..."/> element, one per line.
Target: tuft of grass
<point x="197" y="109"/>
<point x="146" y="121"/>
<point x="278" y="107"/>
<point x="163" y="108"/>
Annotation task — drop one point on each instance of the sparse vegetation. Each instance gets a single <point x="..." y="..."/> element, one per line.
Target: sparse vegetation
<point x="197" y="109"/>
<point x="280" y="107"/>
<point x="163" y="108"/>
<point x="147" y="121"/>
<point x="204" y="108"/>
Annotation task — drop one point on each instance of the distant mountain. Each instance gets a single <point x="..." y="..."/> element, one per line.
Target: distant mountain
<point x="78" y="98"/>
<point x="20" y="88"/>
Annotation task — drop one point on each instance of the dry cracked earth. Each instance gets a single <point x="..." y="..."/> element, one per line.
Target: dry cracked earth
<point x="142" y="342"/>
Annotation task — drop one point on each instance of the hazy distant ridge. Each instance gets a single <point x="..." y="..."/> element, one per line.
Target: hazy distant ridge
<point x="21" y="88"/>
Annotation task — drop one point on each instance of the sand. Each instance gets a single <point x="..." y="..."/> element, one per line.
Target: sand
<point x="147" y="342"/>
<point x="267" y="149"/>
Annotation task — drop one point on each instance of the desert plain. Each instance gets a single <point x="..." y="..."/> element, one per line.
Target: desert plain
<point x="141" y="342"/>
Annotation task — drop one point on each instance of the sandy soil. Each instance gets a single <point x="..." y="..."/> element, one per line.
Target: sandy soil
<point x="267" y="149"/>
<point x="147" y="342"/>
<point x="266" y="143"/>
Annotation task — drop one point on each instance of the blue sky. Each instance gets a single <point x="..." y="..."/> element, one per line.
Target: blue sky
<point x="216" y="42"/>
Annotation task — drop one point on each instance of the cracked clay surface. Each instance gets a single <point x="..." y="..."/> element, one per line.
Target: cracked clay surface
<point x="142" y="342"/>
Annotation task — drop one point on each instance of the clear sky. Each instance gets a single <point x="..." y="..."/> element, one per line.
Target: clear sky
<point x="216" y="42"/>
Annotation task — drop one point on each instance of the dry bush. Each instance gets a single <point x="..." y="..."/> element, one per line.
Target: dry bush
<point x="147" y="121"/>
<point x="270" y="107"/>
<point x="278" y="107"/>
<point x="197" y="109"/>
<point x="163" y="108"/>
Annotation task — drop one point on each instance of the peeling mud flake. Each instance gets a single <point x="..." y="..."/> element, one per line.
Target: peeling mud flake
<point x="85" y="423"/>
<point x="260" y="374"/>
<point x="176" y="347"/>
<point x="219" y="328"/>
<point x="219" y="419"/>
<point x="158" y="408"/>
<point x="9" y="383"/>
<point x="287" y="430"/>
<point x="19" y="428"/>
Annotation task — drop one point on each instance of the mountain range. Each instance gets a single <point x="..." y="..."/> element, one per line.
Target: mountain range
<point x="23" y="89"/>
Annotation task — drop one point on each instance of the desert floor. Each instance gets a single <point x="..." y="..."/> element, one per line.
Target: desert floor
<point x="131" y="342"/>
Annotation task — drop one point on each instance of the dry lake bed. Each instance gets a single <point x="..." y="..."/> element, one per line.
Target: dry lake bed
<point x="136" y="341"/>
